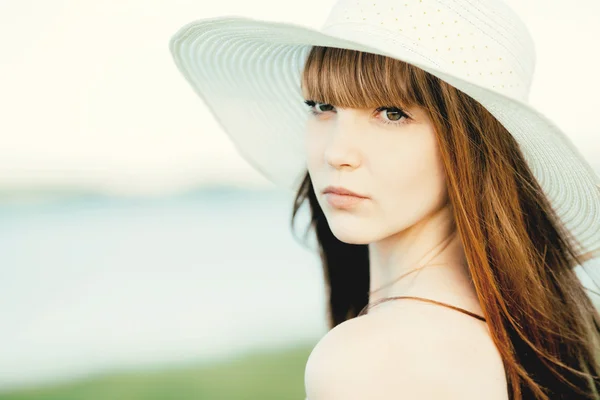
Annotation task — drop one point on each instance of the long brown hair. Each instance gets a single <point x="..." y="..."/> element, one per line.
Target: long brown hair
<point x="542" y="321"/>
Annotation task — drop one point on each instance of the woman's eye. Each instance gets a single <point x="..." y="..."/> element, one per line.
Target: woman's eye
<point x="324" y="107"/>
<point x="318" y="108"/>
<point x="392" y="113"/>
<point x="393" y="116"/>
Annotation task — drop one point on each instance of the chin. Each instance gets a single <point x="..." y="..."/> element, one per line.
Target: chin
<point x="351" y="233"/>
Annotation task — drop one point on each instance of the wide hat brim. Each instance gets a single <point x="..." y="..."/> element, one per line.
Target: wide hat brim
<point x="247" y="72"/>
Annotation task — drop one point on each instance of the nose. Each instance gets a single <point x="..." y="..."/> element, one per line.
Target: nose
<point x="342" y="147"/>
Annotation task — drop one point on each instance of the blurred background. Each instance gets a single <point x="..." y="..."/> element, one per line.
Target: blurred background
<point x="141" y="257"/>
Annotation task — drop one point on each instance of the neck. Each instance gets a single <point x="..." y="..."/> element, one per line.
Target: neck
<point x="426" y="259"/>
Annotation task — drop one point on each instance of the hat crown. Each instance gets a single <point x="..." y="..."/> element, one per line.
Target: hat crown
<point x="484" y="42"/>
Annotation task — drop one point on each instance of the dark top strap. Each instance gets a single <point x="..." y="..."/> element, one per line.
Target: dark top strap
<point x="479" y="317"/>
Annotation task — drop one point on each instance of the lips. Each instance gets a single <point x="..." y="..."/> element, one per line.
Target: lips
<point x="342" y="191"/>
<point x="343" y="198"/>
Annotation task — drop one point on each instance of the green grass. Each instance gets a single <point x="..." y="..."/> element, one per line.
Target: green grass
<point x="261" y="375"/>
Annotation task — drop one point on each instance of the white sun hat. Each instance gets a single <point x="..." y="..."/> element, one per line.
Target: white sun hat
<point x="248" y="71"/>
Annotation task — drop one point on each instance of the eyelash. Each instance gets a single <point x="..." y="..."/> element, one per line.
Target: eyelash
<point x="311" y="104"/>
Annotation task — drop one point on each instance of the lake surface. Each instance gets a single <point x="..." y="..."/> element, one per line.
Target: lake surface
<point x="90" y="283"/>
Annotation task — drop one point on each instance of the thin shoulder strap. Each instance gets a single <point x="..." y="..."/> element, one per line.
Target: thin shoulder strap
<point x="479" y="317"/>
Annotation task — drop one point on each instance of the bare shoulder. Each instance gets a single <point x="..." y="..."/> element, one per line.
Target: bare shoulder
<point x="417" y="351"/>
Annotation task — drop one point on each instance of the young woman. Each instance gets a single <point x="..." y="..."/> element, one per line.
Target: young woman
<point x="449" y="214"/>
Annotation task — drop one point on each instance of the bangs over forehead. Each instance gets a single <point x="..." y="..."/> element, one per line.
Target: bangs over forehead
<point x="354" y="79"/>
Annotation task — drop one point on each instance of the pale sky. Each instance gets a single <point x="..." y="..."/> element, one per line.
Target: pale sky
<point x="90" y="95"/>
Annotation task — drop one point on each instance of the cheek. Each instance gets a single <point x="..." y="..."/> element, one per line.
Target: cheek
<point x="412" y="180"/>
<point x="313" y="146"/>
<point x="414" y="171"/>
